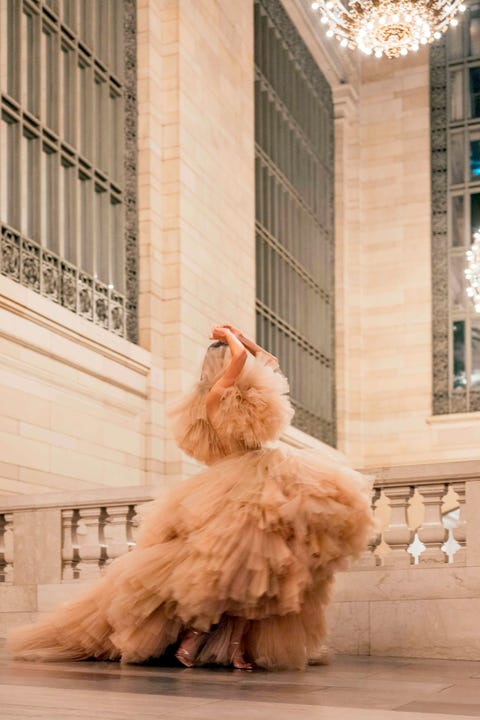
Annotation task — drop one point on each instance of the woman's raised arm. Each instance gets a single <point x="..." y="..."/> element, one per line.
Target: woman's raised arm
<point x="232" y="371"/>
<point x="251" y="345"/>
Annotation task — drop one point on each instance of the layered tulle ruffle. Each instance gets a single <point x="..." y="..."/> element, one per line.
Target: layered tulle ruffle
<point x="256" y="536"/>
<point x="252" y="412"/>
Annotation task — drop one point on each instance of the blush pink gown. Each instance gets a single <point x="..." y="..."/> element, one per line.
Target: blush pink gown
<point x="256" y="535"/>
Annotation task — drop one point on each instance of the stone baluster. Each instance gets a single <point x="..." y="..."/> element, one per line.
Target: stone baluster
<point x="460" y="531"/>
<point x="432" y="532"/>
<point x="398" y="535"/>
<point x="69" y="544"/>
<point x="115" y="531"/>
<point x="383" y="513"/>
<point x="368" y="559"/>
<point x="132" y="525"/>
<point x="90" y="549"/>
<point x="6" y="548"/>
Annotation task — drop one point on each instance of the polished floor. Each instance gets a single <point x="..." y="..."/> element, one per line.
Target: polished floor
<point x="351" y="688"/>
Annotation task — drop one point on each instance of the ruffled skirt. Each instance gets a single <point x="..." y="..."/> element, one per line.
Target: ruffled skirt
<point x="255" y="536"/>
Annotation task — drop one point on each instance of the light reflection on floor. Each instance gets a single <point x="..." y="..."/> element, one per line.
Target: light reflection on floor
<point x="351" y="688"/>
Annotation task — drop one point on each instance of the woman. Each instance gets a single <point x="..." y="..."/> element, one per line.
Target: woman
<point x="236" y="565"/>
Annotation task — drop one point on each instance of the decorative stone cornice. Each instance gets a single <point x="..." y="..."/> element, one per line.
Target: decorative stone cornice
<point x="339" y="66"/>
<point x="345" y="101"/>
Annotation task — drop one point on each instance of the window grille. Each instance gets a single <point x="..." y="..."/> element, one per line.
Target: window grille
<point x="455" y="145"/>
<point x="294" y="216"/>
<point x="68" y="155"/>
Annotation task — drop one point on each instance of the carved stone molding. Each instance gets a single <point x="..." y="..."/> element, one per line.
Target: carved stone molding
<point x="438" y="124"/>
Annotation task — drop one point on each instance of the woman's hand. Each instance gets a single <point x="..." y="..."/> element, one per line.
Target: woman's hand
<point x="250" y="345"/>
<point x="220" y="333"/>
<point x="232" y="329"/>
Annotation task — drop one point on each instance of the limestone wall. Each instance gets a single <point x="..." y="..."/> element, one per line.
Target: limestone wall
<point x="81" y="408"/>
<point x="73" y="400"/>
<point x="383" y="273"/>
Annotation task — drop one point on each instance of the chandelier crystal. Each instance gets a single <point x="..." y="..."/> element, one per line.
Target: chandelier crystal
<point x="472" y="272"/>
<point x="387" y="27"/>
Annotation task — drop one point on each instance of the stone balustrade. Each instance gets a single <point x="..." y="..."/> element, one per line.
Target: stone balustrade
<point x="94" y="536"/>
<point x="52" y="545"/>
<point x="416" y="591"/>
<point x="421" y="524"/>
<point x="6" y="547"/>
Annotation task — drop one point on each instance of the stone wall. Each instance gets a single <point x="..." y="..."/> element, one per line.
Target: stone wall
<point x="73" y="399"/>
<point x="82" y="408"/>
<point x="383" y="273"/>
<point x="390" y="603"/>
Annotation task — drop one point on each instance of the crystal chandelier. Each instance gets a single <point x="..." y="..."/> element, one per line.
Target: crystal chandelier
<point x="472" y="273"/>
<point x="387" y="27"/>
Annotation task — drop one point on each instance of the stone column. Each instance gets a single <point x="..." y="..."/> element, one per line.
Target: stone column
<point x="348" y="273"/>
<point x="472" y="504"/>
<point x="196" y="194"/>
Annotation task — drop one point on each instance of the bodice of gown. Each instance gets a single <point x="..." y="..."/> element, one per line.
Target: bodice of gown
<point x="253" y="411"/>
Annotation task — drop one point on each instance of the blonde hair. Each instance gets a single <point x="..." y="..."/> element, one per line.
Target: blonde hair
<point x="213" y="365"/>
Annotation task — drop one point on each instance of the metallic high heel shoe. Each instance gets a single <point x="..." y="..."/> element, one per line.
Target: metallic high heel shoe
<point x="238" y="661"/>
<point x="187" y="657"/>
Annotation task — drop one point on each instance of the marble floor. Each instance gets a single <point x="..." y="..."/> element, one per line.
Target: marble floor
<point x="351" y="688"/>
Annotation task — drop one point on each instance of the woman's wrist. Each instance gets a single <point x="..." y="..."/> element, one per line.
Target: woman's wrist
<point x="249" y="344"/>
<point x="236" y="346"/>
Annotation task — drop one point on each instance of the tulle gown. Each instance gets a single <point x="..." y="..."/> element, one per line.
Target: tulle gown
<point x="257" y="535"/>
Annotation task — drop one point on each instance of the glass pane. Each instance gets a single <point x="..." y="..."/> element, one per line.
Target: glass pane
<point x="474" y="213"/>
<point x="459" y="378"/>
<point x="53" y="4"/>
<point x="118" y="247"/>
<point x="86" y="18"/>
<point x="475" y="156"/>
<point x="85" y="117"/>
<point x="458" y="295"/>
<point x="13" y="174"/>
<point x="13" y="39"/>
<point x="33" y="188"/>
<point x="115" y="10"/>
<point x="456" y="94"/>
<point x="455" y="42"/>
<point x="32" y="79"/>
<point x="101" y="117"/>
<point x="116" y="146"/>
<point x="69" y="234"/>
<point x="69" y="13"/>
<point x="456" y="158"/>
<point x="101" y="26"/>
<point x="457" y="221"/>
<point x="3" y="170"/>
<point x="474" y="31"/>
<point x="51" y="169"/>
<point x="68" y="95"/>
<point x="475" y="92"/>
<point x="86" y="223"/>
<point x="51" y="78"/>
<point x="101" y="235"/>
<point x="475" y="373"/>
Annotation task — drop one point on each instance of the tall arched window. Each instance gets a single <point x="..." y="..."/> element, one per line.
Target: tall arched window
<point x="67" y="155"/>
<point x="455" y="127"/>
<point x="294" y="216"/>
